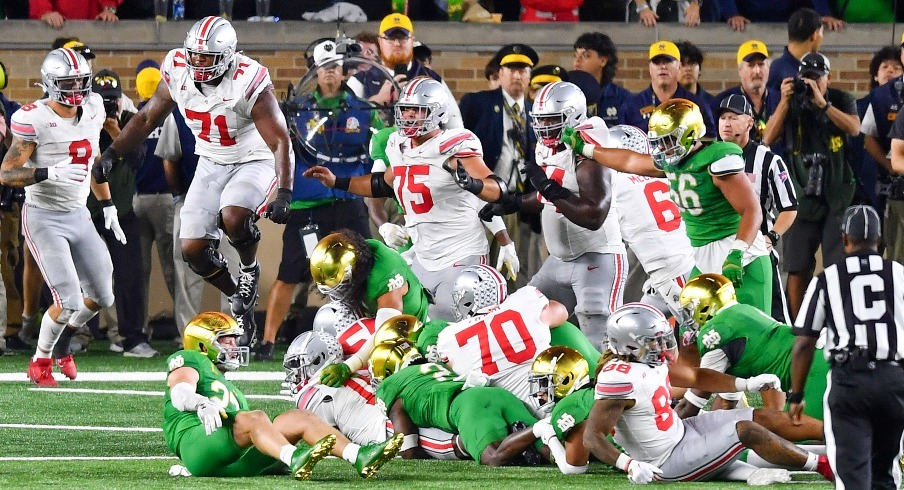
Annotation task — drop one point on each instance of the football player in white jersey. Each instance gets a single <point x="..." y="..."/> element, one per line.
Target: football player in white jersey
<point x="54" y="141"/>
<point x="587" y="267"/>
<point x="439" y="177"/>
<point x="243" y="144"/>
<point x="651" y="225"/>
<point x="633" y="398"/>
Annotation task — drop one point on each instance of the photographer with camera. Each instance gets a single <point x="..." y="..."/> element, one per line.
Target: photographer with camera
<point x="815" y="121"/>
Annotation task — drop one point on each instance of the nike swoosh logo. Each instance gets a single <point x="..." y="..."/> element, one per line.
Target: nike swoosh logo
<point x="227" y="100"/>
<point x="592" y="267"/>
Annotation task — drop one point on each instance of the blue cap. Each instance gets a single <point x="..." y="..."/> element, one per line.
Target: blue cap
<point x="146" y="64"/>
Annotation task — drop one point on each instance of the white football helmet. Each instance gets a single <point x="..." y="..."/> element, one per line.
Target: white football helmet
<point x="558" y="105"/>
<point x="641" y="332"/>
<point x="333" y="318"/>
<point x="212" y="36"/>
<point x="308" y="354"/>
<point x="431" y="101"/>
<point x="630" y="138"/>
<point x="66" y="76"/>
<point x="477" y="288"/>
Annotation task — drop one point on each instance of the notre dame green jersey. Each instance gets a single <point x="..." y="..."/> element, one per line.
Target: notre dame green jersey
<point x="707" y="214"/>
<point x="426" y="390"/>
<point x="430" y="333"/>
<point x="571" y="411"/>
<point x="378" y="145"/>
<point x="211" y="383"/>
<point x="391" y="272"/>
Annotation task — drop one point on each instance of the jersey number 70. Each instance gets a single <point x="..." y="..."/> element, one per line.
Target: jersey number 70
<point x="481" y="330"/>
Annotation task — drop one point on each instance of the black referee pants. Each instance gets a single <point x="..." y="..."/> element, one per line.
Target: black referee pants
<point x="864" y="420"/>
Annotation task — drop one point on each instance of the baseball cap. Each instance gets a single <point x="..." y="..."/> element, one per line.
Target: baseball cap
<point x="81" y="48"/>
<point x="665" y="48"/>
<point x="148" y="63"/>
<point x="750" y="49"/>
<point x="736" y="103"/>
<point x="146" y="82"/>
<point x="325" y="53"/>
<point x="517" y="54"/>
<point x="815" y="63"/>
<point x="106" y="83"/>
<point x="861" y="222"/>
<point x="545" y="74"/>
<point x="393" y="23"/>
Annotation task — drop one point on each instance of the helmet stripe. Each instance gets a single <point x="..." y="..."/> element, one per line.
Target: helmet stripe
<point x="206" y="26"/>
<point x="541" y="97"/>
<point x="73" y="59"/>
<point x="412" y="86"/>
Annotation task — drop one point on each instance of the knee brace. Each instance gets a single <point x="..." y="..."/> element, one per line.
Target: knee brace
<point x="211" y="265"/>
<point x="248" y="235"/>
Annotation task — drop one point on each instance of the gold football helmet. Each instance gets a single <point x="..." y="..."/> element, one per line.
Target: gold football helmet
<point x="674" y="128"/>
<point x="389" y="358"/>
<point x="402" y="327"/>
<point x="206" y="329"/>
<point x="555" y="373"/>
<point x="703" y="296"/>
<point x="332" y="263"/>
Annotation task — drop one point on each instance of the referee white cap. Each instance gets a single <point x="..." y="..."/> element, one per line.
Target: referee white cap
<point x="862" y="223"/>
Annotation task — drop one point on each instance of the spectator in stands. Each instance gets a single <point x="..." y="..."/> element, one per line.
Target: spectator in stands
<point x="753" y="70"/>
<point x="816" y="121"/>
<point x="500" y="120"/>
<point x="423" y="54"/>
<point x="550" y="10"/>
<point x="691" y="62"/>
<point x="369" y="43"/>
<point x="596" y="54"/>
<point x="665" y="66"/>
<point x="56" y="12"/>
<point x="805" y="35"/>
<point x="739" y="13"/>
<point x="153" y="203"/>
<point x="491" y="72"/>
<point x="10" y="299"/>
<point x="651" y="11"/>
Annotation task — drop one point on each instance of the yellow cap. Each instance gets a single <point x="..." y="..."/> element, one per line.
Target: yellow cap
<point x="665" y="48"/>
<point x="396" y="21"/>
<point x="902" y="38"/>
<point x="750" y="48"/>
<point x="146" y="82"/>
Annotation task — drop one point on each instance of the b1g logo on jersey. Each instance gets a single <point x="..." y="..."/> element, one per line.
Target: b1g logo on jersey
<point x="395" y="282"/>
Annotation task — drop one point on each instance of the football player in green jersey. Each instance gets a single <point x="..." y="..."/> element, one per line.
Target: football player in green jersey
<point x="717" y="202"/>
<point x="417" y="393"/>
<point x="207" y="422"/>
<point x="742" y="341"/>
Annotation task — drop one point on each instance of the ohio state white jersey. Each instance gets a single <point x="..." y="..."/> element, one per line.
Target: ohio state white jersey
<point x="564" y="239"/>
<point x="501" y="344"/>
<point x="349" y="408"/>
<point x="651" y="225"/>
<point x="353" y="338"/>
<point x="650" y="429"/>
<point x="59" y="139"/>
<point x="443" y="215"/>
<point x="220" y="116"/>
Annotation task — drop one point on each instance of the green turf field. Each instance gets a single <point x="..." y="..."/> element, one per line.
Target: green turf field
<point x="139" y="415"/>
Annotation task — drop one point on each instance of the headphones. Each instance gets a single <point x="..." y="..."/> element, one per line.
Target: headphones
<point x="4" y="77"/>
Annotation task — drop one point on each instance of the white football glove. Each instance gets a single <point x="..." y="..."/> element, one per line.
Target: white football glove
<point x="508" y="258"/>
<point x="473" y="379"/>
<point x="641" y="473"/>
<point x="762" y="383"/>
<point x="393" y="235"/>
<point x="67" y="172"/>
<point x="544" y="431"/>
<point x="408" y="255"/>
<point x="111" y="222"/>
<point x="211" y="416"/>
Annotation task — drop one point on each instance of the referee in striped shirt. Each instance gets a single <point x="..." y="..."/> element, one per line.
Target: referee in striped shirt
<point x="771" y="182"/>
<point x="860" y="301"/>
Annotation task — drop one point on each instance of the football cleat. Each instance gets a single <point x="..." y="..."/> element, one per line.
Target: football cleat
<point x="245" y="296"/>
<point x="67" y="366"/>
<point x="304" y="458"/>
<point x="824" y="468"/>
<point x="40" y="372"/>
<point x="249" y="327"/>
<point x="371" y="458"/>
<point x="768" y="476"/>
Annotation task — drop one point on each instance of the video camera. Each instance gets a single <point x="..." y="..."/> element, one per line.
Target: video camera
<point x="816" y="176"/>
<point x="801" y="89"/>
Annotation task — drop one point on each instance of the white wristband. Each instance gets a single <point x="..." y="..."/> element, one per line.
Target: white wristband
<point x="740" y="245"/>
<point x="623" y="461"/>
<point x="740" y="384"/>
<point x="409" y="442"/>
<point x="588" y="151"/>
<point x="495" y="225"/>
<point x="697" y="401"/>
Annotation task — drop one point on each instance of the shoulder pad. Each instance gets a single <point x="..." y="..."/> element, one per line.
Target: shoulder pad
<point x="460" y="143"/>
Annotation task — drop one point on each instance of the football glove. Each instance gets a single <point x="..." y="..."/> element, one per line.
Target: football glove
<point x="67" y="172"/>
<point x="544" y="431"/>
<point x="761" y="382"/>
<point x="733" y="267"/>
<point x="508" y="258"/>
<point x="509" y="205"/>
<point x="548" y="188"/>
<point x="211" y="415"/>
<point x="408" y="255"/>
<point x="641" y="473"/>
<point x="465" y="181"/>
<point x="111" y="222"/>
<point x="335" y="375"/>
<point x="278" y="210"/>
<point x="393" y="235"/>
<point x="101" y="169"/>
<point x="474" y="379"/>
<point x="573" y="140"/>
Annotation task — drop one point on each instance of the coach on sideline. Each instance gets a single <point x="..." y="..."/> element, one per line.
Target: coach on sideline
<point x="859" y="300"/>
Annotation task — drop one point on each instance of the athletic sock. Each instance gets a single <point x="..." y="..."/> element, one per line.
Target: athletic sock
<point x="812" y="460"/>
<point x="350" y="453"/>
<point x="285" y="454"/>
<point x="47" y="338"/>
<point x="81" y="317"/>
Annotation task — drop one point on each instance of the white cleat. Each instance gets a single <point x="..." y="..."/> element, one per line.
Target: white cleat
<point x="768" y="476"/>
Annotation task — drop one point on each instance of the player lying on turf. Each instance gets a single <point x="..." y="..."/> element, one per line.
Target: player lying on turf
<point x="208" y="425"/>
<point x="632" y="397"/>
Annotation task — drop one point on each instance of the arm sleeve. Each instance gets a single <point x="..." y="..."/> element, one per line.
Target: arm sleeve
<point x="716" y="360"/>
<point x="37" y="8"/>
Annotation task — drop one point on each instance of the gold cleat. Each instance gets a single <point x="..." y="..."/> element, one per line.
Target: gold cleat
<point x="304" y="458"/>
<point x="371" y="458"/>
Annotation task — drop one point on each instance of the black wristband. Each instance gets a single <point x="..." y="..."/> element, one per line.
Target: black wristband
<point x="40" y="174"/>
<point x="106" y="202"/>
<point x="795" y="398"/>
<point x="342" y="183"/>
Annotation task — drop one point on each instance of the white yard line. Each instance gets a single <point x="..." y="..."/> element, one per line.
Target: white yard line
<point x="145" y="376"/>
<point x="80" y="427"/>
<point x="141" y="393"/>
<point x="82" y="458"/>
